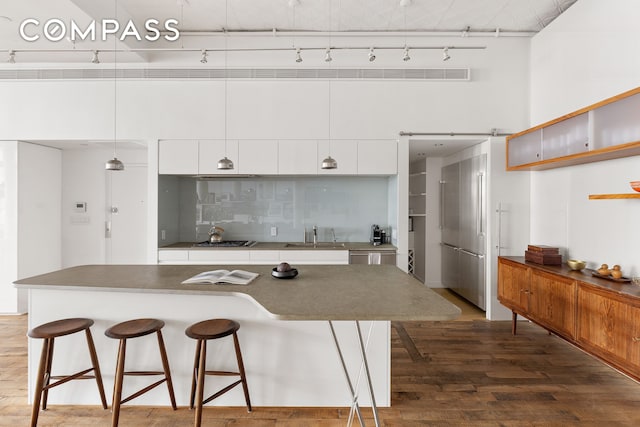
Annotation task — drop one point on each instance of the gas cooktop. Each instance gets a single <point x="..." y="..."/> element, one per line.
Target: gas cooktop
<point x="226" y="244"/>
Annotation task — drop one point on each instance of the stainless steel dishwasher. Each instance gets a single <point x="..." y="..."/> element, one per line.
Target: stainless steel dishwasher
<point x="372" y="257"/>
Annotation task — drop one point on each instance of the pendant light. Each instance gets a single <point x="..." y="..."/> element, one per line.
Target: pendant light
<point x="114" y="164"/>
<point x="225" y="163"/>
<point x="329" y="162"/>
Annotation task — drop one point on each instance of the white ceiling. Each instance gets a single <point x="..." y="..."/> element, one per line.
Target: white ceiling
<point x="198" y="18"/>
<point x="202" y="21"/>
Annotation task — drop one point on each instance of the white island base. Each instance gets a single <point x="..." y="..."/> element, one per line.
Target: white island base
<point x="287" y="362"/>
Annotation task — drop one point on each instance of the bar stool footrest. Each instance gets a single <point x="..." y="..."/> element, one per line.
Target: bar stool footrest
<point x="64" y="379"/>
<point x="221" y="392"/>
<point x="222" y="373"/>
<point x="143" y="391"/>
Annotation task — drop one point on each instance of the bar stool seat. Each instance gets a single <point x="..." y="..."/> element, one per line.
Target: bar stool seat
<point x="210" y="330"/>
<point x="49" y="332"/>
<point x="134" y="329"/>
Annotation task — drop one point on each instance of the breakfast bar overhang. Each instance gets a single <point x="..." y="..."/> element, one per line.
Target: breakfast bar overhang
<point x="289" y="350"/>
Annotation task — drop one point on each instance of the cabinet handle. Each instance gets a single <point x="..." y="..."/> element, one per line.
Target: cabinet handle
<point x="480" y="215"/>
<point x="635" y="339"/>
<point x="441" y="219"/>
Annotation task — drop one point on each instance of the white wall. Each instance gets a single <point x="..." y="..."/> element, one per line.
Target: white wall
<point x="279" y="109"/>
<point x="30" y="193"/>
<point x="8" y="225"/>
<point x="589" y="53"/>
<point x="39" y="195"/>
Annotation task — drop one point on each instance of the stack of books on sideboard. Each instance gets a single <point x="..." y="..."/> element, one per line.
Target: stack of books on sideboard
<point x="542" y="254"/>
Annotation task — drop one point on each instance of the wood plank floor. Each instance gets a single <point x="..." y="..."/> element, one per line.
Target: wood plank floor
<point x="461" y="373"/>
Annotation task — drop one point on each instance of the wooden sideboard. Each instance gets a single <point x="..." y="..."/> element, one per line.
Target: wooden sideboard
<point x="600" y="316"/>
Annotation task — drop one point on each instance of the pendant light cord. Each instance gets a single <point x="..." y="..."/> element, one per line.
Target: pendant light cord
<point x="226" y="23"/>
<point x="115" y="85"/>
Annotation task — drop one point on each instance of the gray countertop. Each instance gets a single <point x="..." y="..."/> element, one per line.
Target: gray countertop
<point x="276" y="246"/>
<point x="320" y="292"/>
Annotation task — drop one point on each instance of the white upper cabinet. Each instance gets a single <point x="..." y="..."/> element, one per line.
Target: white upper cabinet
<point x="377" y="157"/>
<point x="606" y="130"/>
<point x="345" y="152"/>
<point x="258" y="157"/>
<point x="273" y="157"/>
<point x="298" y="157"/>
<point x="212" y="150"/>
<point x="178" y="157"/>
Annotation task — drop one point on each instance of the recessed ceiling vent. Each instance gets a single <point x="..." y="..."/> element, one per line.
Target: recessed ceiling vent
<point x="436" y="74"/>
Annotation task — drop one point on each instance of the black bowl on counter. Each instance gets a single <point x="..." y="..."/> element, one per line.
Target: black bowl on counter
<point x="289" y="274"/>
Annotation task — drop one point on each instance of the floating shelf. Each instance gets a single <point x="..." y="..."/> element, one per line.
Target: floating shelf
<point x="614" y="196"/>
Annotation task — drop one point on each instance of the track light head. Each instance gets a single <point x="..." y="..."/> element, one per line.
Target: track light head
<point x="372" y="56"/>
<point x="298" y="56"/>
<point x="405" y="55"/>
<point x="95" y="59"/>
<point x="12" y="57"/>
<point x="445" y="54"/>
<point x="327" y="55"/>
<point x="203" y="57"/>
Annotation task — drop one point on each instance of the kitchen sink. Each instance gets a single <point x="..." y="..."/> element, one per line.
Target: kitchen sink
<point x="330" y="245"/>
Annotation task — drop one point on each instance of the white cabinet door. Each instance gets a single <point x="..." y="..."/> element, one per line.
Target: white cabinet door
<point x="525" y="149"/>
<point x="264" y="257"/>
<point x="315" y="257"/>
<point x="211" y="151"/>
<point x="345" y="152"/>
<point x="258" y="157"/>
<point x="298" y="157"/>
<point x="224" y="256"/>
<point x="178" y="157"/>
<point x="173" y="256"/>
<point x="377" y="157"/>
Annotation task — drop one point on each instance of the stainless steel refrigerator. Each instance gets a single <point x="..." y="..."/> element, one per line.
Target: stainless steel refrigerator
<point x="463" y="222"/>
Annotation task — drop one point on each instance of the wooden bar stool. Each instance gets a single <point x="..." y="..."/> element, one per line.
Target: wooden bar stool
<point x="211" y="330"/>
<point x="49" y="332"/>
<point x="134" y="329"/>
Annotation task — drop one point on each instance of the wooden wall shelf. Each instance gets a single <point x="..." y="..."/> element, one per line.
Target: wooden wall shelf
<point x="614" y="196"/>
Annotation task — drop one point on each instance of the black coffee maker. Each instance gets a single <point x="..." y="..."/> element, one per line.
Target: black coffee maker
<point x="378" y="235"/>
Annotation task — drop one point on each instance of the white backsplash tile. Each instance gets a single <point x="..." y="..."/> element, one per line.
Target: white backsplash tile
<point x="247" y="208"/>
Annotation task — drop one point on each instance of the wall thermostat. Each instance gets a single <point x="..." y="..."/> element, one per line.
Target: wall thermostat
<point x="80" y="207"/>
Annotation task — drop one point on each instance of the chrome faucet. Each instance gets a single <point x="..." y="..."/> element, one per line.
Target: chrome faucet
<point x="315" y="235"/>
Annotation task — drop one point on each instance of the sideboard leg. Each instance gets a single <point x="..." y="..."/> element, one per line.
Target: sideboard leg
<point x="514" y="319"/>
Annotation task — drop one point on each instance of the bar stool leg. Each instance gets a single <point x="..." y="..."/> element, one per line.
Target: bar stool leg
<point x="200" y="387"/>
<point x="167" y="372"/>
<point x="96" y="367"/>
<point x="37" y="395"/>
<point x="194" y="375"/>
<point x="241" y="369"/>
<point x="117" y="387"/>
<point x="47" y="375"/>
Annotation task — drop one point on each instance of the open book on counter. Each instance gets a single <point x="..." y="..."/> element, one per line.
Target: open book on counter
<point x="220" y="277"/>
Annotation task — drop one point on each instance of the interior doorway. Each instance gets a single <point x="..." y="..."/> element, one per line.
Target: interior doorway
<point x="126" y="219"/>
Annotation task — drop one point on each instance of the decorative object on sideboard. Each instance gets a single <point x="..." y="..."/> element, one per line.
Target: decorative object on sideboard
<point x="635" y="185"/>
<point x="576" y="264"/>
<point x="542" y="254"/>
<point x="615" y="273"/>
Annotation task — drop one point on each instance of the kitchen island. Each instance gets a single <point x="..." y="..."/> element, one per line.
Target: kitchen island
<point x="288" y="349"/>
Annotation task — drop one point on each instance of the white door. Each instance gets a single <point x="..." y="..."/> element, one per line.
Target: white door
<point x="126" y="226"/>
